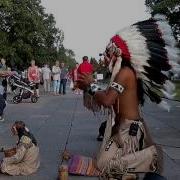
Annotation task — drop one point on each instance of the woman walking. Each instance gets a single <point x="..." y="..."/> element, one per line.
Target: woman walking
<point x="34" y="75"/>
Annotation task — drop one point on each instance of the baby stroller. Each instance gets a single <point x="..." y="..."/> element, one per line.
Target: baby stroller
<point x="26" y="89"/>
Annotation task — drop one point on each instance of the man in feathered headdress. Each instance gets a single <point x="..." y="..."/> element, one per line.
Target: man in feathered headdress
<point x="138" y="58"/>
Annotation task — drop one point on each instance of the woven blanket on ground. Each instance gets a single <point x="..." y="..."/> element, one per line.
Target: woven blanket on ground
<point x="81" y="165"/>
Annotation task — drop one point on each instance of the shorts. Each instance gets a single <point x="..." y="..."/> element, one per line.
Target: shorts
<point x="36" y="86"/>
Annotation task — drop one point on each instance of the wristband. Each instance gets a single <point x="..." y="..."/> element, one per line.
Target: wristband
<point x="93" y="88"/>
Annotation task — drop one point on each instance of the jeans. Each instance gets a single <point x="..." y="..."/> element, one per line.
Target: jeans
<point x="46" y="85"/>
<point x="56" y="84"/>
<point x="63" y="86"/>
<point x="2" y="104"/>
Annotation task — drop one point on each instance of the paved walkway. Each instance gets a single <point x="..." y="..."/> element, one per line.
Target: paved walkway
<point x="50" y="120"/>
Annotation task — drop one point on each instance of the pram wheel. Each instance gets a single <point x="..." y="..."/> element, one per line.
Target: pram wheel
<point x="17" y="99"/>
<point x="34" y="99"/>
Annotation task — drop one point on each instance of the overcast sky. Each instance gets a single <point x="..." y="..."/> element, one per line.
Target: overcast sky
<point x="88" y="25"/>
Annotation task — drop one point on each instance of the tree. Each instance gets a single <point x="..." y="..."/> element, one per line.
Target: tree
<point x="27" y="32"/>
<point x="67" y="56"/>
<point x="95" y="63"/>
<point x="170" y="8"/>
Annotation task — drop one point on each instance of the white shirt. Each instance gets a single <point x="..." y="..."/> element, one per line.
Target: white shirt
<point x="46" y="73"/>
<point x="56" y="73"/>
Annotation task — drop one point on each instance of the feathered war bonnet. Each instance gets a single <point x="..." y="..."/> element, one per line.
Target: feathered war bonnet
<point x="151" y="49"/>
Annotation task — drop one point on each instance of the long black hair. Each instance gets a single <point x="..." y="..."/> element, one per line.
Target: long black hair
<point x="22" y="131"/>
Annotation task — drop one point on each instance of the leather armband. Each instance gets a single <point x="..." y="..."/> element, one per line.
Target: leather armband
<point x="118" y="87"/>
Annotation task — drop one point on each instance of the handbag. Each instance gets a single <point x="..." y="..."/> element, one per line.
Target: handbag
<point x="71" y="85"/>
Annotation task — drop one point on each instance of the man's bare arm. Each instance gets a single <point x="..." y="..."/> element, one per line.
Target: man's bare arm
<point x="108" y="97"/>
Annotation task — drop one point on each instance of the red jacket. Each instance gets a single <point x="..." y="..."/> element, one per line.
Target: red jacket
<point x="85" y="67"/>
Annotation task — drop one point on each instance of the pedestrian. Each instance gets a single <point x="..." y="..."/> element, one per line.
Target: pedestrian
<point x="85" y="66"/>
<point x="4" y="72"/>
<point x="63" y="79"/>
<point x="135" y="71"/>
<point x="3" y="81"/>
<point x="46" y="75"/>
<point x="9" y="90"/>
<point x="56" y="77"/>
<point x="25" y="160"/>
<point x="74" y="77"/>
<point x="34" y="75"/>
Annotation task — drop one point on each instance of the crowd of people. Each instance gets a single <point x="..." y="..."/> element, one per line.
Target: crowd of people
<point x="58" y="75"/>
<point x="55" y="79"/>
<point x="52" y="80"/>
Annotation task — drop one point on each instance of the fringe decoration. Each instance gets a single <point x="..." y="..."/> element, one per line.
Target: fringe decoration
<point x="160" y="159"/>
<point x="116" y="165"/>
<point x="90" y="103"/>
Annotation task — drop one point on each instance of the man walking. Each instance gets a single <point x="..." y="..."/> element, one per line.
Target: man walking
<point x="3" y="87"/>
<point x="85" y="66"/>
<point x="63" y="79"/>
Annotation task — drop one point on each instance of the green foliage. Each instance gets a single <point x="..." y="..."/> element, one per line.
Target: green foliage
<point x="67" y="56"/>
<point x="171" y="8"/>
<point x="95" y="63"/>
<point x="27" y="32"/>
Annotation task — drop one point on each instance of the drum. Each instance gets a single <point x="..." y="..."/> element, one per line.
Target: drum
<point x="9" y="152"/>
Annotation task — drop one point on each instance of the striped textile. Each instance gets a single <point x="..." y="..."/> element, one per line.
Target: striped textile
<point x="81" y="165"/>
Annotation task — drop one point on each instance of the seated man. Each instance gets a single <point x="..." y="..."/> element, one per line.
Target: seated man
<point x="26" y="160"/>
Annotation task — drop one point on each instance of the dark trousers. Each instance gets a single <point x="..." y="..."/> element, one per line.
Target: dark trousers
<point x="102" y="128"/>
<point x="153" y="176"/>
<point x="2" y="104"/>
<point x="62" y="86"/>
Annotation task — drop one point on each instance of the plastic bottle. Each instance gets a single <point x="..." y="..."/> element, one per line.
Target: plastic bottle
<point x="63" y="172"/>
